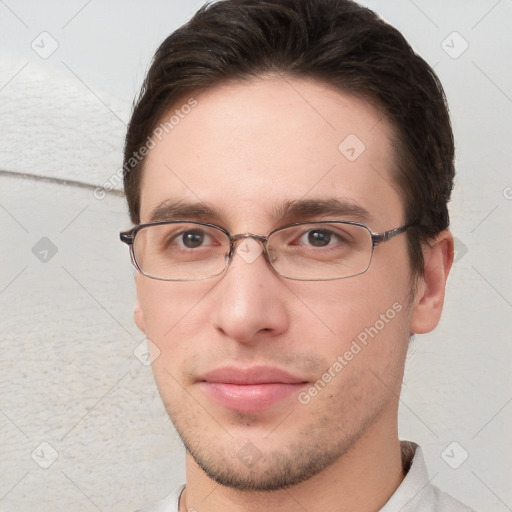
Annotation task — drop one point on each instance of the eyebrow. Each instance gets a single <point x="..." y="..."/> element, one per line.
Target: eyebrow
<point x="288" y="211"/>
<point x="303" y="209"/>
<point x="168" y="210"/>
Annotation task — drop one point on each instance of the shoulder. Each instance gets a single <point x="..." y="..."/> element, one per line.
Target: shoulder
<point x="436" y="500"/>
<point x="416" y="493"/>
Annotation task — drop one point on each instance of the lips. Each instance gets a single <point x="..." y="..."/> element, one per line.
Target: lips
<point x="250" y="390"/>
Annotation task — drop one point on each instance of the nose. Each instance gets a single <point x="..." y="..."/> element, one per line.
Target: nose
<point x="249" y="301"/>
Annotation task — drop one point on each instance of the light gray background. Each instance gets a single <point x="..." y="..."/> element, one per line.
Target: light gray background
<point x="68" y="374"/>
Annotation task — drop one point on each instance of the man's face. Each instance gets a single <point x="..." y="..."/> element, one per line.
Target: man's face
<point x="245" y="151"/>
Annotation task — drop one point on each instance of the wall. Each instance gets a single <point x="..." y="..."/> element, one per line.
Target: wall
<point x="81" y="424"/>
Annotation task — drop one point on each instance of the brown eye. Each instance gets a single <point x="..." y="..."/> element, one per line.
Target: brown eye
<point x="192" y="239"/>
<point x="319" y="238"/>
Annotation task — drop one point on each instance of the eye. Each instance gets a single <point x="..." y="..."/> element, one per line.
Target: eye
<point x="319" y="238"/>
<point x="193" y="238"/>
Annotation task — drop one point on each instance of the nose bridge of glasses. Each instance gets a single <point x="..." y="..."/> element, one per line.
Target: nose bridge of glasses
<point x="234" y="239"/>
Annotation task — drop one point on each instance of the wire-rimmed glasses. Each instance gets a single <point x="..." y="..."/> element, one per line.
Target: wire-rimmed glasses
<point x="180" y="250"/>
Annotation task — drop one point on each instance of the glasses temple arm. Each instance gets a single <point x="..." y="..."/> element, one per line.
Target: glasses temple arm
<point x="127" y="237"/>
<point x="379" y="238"/>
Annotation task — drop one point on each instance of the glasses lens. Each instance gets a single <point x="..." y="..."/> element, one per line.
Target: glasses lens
<point x="318" y="251"/>
<point x="181" y="251"/>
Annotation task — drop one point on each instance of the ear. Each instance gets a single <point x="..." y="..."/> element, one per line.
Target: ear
<point x="138" y="315"/>
<point x="429" y="300"/>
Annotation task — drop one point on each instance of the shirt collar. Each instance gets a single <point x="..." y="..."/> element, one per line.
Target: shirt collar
<point x="415" y="480"/>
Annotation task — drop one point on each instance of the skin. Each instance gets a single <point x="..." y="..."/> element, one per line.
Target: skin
<point x="245" y="148"/>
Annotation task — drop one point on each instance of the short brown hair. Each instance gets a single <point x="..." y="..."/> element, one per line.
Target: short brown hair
<point x="334" y="41"/>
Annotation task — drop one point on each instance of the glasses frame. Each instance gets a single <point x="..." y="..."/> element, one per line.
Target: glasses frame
<point x="128" y="237"/>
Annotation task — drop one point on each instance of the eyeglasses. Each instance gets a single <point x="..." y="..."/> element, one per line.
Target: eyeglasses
<point x="308" y="251"/>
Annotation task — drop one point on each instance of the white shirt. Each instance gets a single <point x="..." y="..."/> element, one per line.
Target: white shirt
<point x="414" y="494"/>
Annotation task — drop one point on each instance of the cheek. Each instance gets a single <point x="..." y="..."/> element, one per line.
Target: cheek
<point x="174" y="313"/>
<point x="153" y="299"/>
<point x="348" y="306"/>
<point x="368" y="318"/>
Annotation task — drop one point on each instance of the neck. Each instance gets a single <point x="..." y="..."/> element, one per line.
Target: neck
<point x="363" y="479"/>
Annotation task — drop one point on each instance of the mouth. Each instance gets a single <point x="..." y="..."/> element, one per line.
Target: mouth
<point x="250" y="390"/>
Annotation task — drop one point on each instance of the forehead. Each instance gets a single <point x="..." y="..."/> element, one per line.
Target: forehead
<point x="245" y="149"/>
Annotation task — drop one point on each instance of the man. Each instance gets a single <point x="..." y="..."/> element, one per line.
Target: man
<point x="287" y="168"/>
